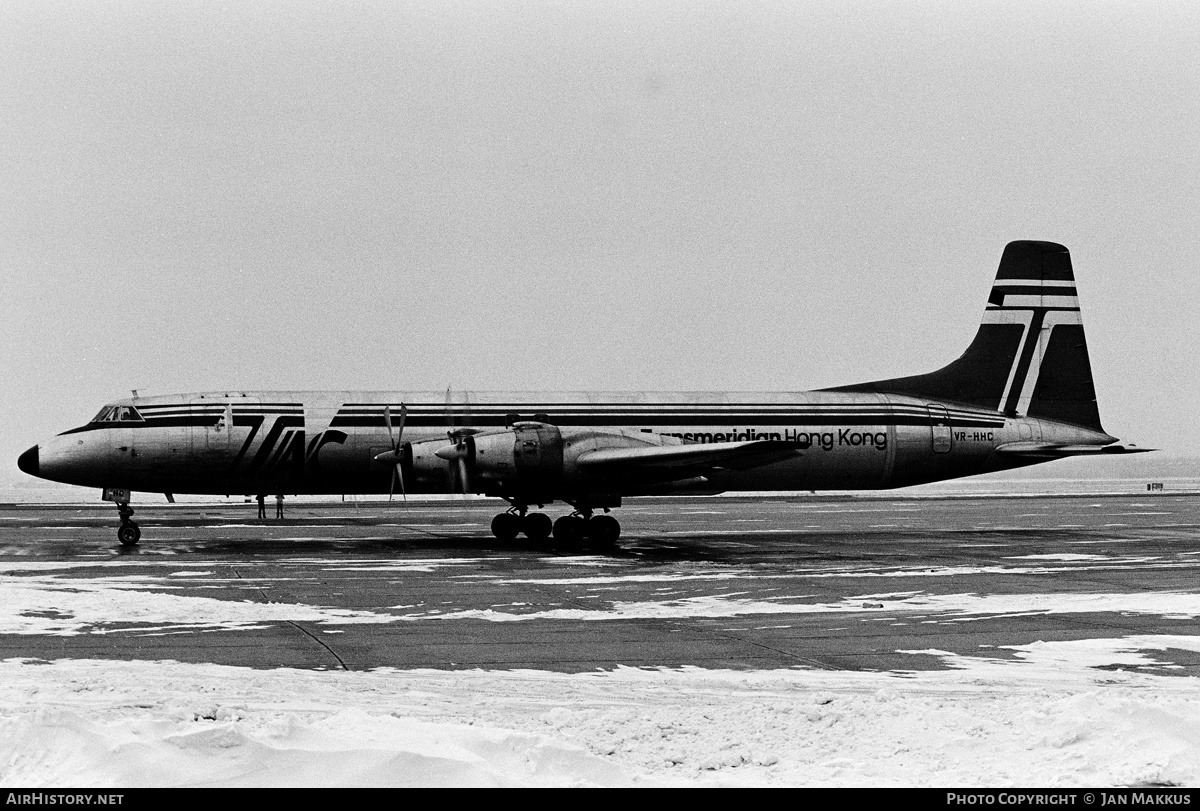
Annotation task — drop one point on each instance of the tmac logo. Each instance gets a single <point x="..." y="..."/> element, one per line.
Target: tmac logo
<point x="284" y="448"/>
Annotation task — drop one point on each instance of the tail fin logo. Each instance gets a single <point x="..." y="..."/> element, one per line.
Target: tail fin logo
<point x="1038" y="306"/>
<point x="1029" y="355"/>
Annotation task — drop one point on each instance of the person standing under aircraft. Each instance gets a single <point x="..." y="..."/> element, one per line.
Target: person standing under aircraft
<point x="262" y="507"/>
<point x="279" y="506"/>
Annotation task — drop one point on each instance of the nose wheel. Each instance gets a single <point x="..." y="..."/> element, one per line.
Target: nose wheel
<point x="129" y="533"/>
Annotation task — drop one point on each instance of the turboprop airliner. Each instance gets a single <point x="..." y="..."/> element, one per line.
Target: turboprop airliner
<point x="1021" y="394"/>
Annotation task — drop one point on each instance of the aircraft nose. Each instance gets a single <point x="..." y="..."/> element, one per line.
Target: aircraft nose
<point x="28" y="461"/>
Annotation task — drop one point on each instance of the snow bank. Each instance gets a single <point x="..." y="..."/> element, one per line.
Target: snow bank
<point x="1052" y="714"/>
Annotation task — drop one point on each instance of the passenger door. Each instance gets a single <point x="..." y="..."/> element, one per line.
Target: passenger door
<point x="941" y="434"/>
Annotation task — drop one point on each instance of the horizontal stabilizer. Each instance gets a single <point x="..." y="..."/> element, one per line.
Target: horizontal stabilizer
<point x="732" y="455"/>
<point x="1048" y="450"/>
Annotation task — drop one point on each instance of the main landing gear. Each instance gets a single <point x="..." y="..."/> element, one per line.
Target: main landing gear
<point x="129" y="532"/>
<point x="576" y="528"/>
<point x="508" y="525"/>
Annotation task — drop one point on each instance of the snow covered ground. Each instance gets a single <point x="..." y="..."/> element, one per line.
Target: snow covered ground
<point x="1050" y="714"/>
<point x="1094" y="712"/>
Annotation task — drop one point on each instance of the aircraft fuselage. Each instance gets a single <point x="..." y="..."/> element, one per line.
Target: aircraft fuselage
<point x="327" y="442"/>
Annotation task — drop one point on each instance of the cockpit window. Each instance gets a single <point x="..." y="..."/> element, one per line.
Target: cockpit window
<point x="118" y="414"/>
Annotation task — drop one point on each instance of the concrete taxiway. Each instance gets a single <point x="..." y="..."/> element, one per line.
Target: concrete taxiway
<point x="865" y="583"/>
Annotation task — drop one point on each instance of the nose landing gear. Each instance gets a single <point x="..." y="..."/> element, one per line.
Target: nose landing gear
<point x="129" y="533"/>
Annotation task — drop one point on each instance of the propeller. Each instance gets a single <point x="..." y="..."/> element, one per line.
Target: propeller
<point x="395" y="456"/>
<point x="458" y="455"/>
<point x="463" y="450"/>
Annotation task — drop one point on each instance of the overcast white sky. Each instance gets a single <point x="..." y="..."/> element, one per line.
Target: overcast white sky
<point x="587" y="195"/>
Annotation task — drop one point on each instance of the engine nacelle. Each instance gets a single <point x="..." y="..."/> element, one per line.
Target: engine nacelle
<point x="422" y="459"/>
<point x="537" y="462"/>
<point x="527" y="458"/>
<point x="534" y="462"/>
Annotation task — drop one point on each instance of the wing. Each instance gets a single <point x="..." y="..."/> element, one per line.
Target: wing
<point x="677" y="462"/>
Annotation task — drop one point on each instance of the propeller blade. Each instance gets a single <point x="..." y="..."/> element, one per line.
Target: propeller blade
<point x="463" y="448"/>
<point x="387" y="420"/>
<point x="453" y="430"/>
<point x="398" y="476"/>
<point x="462" y="475"/>
<point x="394" y="456"/>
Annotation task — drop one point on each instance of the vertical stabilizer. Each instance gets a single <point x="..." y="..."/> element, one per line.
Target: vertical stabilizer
<point x="1030" y="356"/>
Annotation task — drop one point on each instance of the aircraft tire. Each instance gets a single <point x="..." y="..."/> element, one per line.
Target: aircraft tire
<point x="505" y="526"/>
<point x="603" y="529"/>
<point x="564" y="529"/>
<point x="570" y="529"/>
<point x="537" y="526"/>
<point x="129" y="534"/>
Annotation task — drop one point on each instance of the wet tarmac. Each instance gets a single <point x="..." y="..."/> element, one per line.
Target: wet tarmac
<point x="858" y="583"/>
